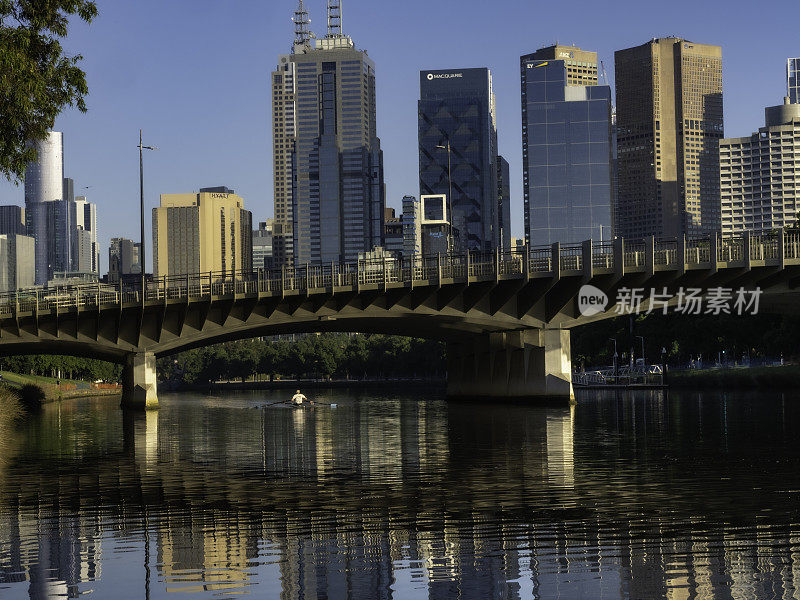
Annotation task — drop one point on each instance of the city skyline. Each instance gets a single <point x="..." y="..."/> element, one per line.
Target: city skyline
<point x="237" y="122"/>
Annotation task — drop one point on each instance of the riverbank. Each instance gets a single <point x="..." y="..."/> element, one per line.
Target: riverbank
<point x="311" y="384"/>
<point x="738" y="378"/>
<point x="55" y="389"/>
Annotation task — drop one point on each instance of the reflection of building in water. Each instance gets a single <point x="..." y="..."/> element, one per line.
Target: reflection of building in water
<point x="466" y="502"/>
<point x="560" y="447"/>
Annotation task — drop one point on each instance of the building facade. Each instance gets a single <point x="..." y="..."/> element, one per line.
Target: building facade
<point x="263" y="246"/>
<point x="458" y="152"/>
<point x="504" y="203"/>
<point x="328" y="160"/>
<point x="412" y="221"/>
<point x="793" y="80"/>
<point x="392" y="231"/>
<point x="567" y="147"/>
<point x="85" y="251"/>
<point x="760" y="174"/>
<point x="17" y="262"/>
<point x="12" y="220"/>
<point x="123" y="259"/>
<point x="669" y="123"/>
<point x="203" y="232"/>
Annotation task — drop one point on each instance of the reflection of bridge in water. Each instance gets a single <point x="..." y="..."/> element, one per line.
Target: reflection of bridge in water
<point x="505" y="316"/>
<point x="384" y="497"/>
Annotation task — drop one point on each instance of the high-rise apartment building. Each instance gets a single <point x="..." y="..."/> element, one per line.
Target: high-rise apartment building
<point x="566" y="147"/>
<point x="17" y="262"/>
<point x="12" y="220"/>
<point x="458" y="152"/>
<point x="760" y="174"/>
<point x="328" y="162"/>
<point x="123" y="259"/>
<point x="793" y="80"/>
<point x="203" y="232"/>
<point x="669" y="123"/>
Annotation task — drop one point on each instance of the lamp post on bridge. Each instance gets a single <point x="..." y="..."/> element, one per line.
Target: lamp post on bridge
<point x="449" y="194"/>
<point x="142" y="259"/>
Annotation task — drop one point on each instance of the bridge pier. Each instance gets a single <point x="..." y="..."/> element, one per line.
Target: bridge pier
<point x="139" y="384"/>
<point x="533" y="364"/>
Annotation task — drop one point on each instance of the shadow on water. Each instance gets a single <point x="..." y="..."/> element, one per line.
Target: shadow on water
<point x="627" y="495"/>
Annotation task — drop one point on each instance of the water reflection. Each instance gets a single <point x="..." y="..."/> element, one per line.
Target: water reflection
<point x="626" y="496"/>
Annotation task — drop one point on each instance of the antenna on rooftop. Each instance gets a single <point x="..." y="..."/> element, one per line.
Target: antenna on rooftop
<point x="302" y="34"/>
<point x="334" y="18"/>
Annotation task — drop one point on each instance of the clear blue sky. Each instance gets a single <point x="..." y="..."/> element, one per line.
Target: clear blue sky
<point x="194" y="75"/>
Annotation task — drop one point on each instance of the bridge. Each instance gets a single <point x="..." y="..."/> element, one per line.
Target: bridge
<point x="504" y="316"/>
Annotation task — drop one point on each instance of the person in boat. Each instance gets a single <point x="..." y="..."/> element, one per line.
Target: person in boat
<point x="299" y="398"/>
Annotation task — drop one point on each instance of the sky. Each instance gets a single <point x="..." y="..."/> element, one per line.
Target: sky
<point x="194" y="75"/>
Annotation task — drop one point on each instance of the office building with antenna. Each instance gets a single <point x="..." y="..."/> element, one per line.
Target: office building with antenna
<point x="566" y="147"/>
<point x="793" y="80"/>
<point x="328" y="163"/>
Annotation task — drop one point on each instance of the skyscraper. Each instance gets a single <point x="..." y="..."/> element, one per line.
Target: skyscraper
<point x="669" y="123"/>
<point x="329" y="164"/>
<point x="759" y="188"/>
<point x="44" y="191"/>
<point x="85" y="252"/>
<point x="458" y="152"/>
<point x="566" y="147"/>
<point x="209" y="231"/>
<point x="793" y="80"/>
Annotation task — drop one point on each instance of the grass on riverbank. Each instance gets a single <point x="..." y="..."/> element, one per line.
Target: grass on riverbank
<point x="57" y="389"/>
<point x="18" y="379"/>
<point x="783" y="377"/>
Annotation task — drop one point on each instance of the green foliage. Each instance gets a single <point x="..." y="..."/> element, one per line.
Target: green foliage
<point x="31" y="397"/>
<point x="37" y="80"/>
<point x="70" y="367"/>
<point x="328" y="355"/>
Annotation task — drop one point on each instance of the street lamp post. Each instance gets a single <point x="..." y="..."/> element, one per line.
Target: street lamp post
<point x="642" y="339"/>
<point x="449" y="195"/>
<point x="142" y="259"/>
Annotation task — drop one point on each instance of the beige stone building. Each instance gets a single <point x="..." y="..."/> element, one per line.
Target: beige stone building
<point x="669" y="123"/>
<point x="760" y="174"/>
<point x="203" y="232"/>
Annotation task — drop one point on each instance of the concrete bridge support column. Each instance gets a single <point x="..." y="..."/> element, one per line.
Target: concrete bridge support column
<point x="139" y="385"/>
<point x="532" y="364"/>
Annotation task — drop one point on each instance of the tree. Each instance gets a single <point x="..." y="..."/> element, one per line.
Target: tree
<point x="37" y="80"/>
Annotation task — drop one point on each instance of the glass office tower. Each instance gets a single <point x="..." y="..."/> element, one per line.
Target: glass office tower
<point x="793" y="80"/>
<point x="567" y="160"/>
<point x="328" y="160"/>
<point x="458" y="152"/>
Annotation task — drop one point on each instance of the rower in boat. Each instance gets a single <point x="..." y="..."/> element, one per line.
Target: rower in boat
<point x="298" y="399"/>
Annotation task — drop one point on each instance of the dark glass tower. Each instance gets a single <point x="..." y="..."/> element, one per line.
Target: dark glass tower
<point x="567" y="160"/>
<point x="458" y="152"/>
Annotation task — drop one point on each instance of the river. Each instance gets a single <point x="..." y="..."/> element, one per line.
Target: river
<point x="624" y="496"/>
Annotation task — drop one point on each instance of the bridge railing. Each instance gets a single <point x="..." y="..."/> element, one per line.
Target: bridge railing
<point x="696" y="251"/>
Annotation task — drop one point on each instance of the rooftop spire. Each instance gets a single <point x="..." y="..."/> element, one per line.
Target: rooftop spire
<point x="334" y="18"/>
<point x="302" y="34"/>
